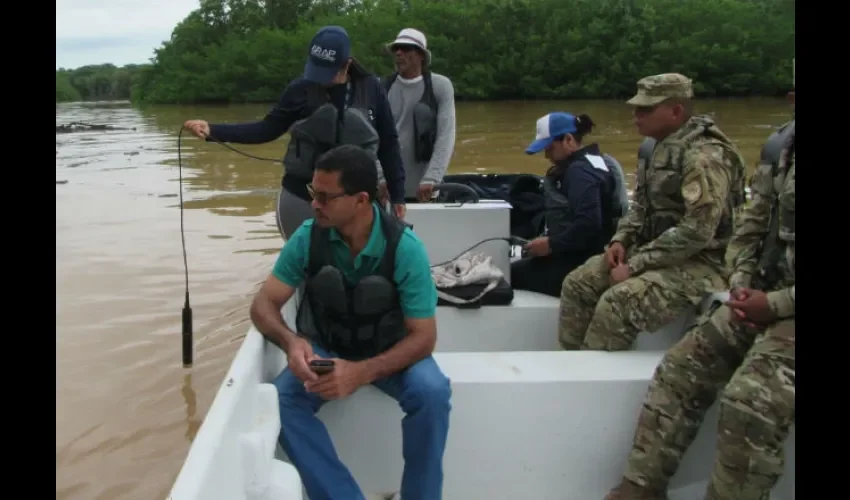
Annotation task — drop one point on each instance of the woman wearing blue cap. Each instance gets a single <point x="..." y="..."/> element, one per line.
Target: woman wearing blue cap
<point x="584" y="196"/>
<point x="335" y="102"/>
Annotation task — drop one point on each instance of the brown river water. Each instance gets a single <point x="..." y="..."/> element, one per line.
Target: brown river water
<point x="126" y="409"/>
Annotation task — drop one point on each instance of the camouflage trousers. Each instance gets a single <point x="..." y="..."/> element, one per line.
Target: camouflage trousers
<point x="755" y="371"/>
<point x="595" y="315"/>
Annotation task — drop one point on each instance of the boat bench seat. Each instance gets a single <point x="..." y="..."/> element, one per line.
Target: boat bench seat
<point x="562" y="421"/>
<point x="530" y="323"/>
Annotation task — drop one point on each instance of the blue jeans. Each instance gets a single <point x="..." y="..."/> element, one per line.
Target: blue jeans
<point x="423" y="393"/>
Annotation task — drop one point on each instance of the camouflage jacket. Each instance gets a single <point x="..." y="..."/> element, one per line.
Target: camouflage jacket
<point x="762" y="252"/>
<point x="685" y="199"/>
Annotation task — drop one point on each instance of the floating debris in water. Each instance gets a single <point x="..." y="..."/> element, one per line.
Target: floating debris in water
<point x="81" y="127"/>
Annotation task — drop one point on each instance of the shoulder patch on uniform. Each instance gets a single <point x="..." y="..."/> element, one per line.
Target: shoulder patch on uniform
<point x="692" y="191"/>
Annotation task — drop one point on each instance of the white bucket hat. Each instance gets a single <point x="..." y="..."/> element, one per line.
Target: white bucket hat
<point x="410" y="36"/>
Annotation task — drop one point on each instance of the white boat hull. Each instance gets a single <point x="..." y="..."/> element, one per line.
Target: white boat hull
<point x="528" y="420"/>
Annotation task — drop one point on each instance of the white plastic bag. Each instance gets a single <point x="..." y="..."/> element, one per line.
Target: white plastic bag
<point x="468" y="269"/>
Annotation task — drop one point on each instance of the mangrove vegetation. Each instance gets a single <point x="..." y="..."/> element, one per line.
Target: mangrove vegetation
<point x="247" y="50"/>
<point x="103" y="82"/>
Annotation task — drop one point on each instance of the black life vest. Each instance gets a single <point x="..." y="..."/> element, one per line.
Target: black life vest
<point x="359" y="320"/>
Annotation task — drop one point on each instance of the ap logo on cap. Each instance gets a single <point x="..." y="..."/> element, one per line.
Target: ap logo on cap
<point x="326" y="54"/>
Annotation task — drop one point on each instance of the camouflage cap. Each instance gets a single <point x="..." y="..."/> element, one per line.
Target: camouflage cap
<point x="655" y="89"/>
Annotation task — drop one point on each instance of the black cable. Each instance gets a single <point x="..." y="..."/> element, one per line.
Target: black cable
<point x="228" y="146"/>
<point x="513" y="240"/>
<point x="187" y="309"/>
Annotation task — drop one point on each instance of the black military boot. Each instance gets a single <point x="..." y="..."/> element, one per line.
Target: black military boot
<point x="628" y="490"/>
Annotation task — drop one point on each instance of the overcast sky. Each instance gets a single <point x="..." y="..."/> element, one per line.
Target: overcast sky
<point x="114" y="31"/>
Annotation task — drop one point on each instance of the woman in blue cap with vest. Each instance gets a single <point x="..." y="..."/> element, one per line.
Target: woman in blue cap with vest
<point x="336" y="101"/>
<point x="584" y="196"/>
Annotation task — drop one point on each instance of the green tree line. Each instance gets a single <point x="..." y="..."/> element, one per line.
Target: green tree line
<point x="248" y="50"/>
<point x="103" y="82"/>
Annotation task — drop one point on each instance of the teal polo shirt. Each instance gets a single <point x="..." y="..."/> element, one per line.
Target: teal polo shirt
<point x="412" y="274"/>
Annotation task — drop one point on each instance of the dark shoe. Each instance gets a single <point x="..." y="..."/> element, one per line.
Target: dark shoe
<point x="628" y="490"/>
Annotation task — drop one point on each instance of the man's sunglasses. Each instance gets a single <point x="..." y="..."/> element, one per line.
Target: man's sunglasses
<point x="323" y="198"/>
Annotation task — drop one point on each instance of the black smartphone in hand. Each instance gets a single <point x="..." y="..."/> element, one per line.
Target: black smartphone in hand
<point x="322" y="366"/>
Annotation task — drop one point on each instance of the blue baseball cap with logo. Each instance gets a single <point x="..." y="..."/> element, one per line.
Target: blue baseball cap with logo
<point x="549" y="127"/>
<point x="329" y="52"/>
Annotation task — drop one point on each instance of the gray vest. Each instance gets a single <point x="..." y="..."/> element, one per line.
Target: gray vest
<point x="620" y="197"/>
<point x="360" y="320"/>
<point x="424" y="118"/>
<point x="326" y="128"/>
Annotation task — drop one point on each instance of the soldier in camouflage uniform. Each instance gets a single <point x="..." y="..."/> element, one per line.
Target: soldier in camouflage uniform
<point x="745" y="348"/>
<point x="668" y="250"/>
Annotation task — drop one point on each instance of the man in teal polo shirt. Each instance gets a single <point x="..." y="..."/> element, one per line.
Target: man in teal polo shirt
<point x="369" y="305"/>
